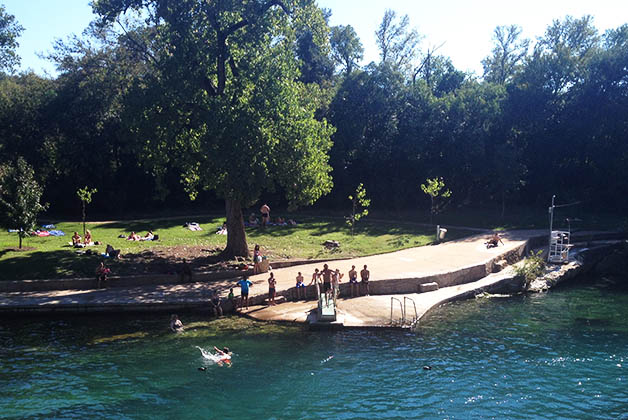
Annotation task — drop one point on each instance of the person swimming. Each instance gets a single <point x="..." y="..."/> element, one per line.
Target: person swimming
<point x="224" y="356"/>
<point x="220" y="357"/>
<point x="175" y="324"/>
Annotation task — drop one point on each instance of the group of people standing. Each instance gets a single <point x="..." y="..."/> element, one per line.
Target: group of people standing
<point x="329" y="281"/>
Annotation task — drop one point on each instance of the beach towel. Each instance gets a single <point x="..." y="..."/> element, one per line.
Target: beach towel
<point x="48" y="227"/>
<point x="57" y="233"/>
<point x="42" y="233"/>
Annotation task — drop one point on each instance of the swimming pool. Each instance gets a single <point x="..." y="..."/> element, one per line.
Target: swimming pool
<point x="563" y="354"/>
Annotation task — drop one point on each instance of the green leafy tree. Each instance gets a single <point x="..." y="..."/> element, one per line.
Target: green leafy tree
<point x="508" y="53"/>
<point x="438" y="198"/>
<point x="226" y="105"/>
<point x="398" y="44"/>
<point x="10" y="31"/>
<point x="20" y="196"/>
<point x="85" y="195"/>
<point x="346" y="47"/>
<point x="359" y="206"/>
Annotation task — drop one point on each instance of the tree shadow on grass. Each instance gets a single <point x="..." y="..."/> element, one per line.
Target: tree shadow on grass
<point x="62" y="264"/>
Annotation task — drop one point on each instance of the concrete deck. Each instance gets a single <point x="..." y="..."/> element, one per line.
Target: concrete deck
<point x="374" y="311"/>
<point x="449" y="264"/>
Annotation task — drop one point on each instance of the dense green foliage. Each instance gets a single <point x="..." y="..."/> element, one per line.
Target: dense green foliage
<point x="531" y="268"/>
<point x="20" y="196"/>
<point x="248" y="100"/>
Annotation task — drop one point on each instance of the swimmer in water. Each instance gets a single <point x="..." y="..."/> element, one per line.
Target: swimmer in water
<point x="224" y="356"/>
<point x="175" y="324"/>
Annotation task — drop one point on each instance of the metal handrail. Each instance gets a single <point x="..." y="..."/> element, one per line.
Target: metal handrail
<point x="403" y="315"/>
<point x="416" y="314"/>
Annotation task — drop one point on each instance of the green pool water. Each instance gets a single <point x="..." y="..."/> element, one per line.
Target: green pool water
<point x="562" y="354"/>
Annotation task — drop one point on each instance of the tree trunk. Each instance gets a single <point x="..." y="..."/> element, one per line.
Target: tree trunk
<point x="236" y="235"/>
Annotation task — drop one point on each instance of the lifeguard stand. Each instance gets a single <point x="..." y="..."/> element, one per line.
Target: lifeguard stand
<point x="559" y="247"/>
<point x="559" y="244"/>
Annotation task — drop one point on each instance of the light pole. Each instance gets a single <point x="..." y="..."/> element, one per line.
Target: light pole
<point x="551" y="213"/>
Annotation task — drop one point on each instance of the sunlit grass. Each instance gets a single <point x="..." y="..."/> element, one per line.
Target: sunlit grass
<point x="53" y="257"/>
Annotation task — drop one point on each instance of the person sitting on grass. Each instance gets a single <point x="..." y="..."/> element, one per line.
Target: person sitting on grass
<point x="88" y="238"/>
<point x="76" y="239"/>
<point x="149" y="236"/>
<point x="102" y="274"/>
<point x="133" y="237"/>
<point x="253" y="220"/>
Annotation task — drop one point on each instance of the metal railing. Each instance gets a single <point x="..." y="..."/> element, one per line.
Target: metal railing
<point x="403" y="315"/>
<point x="405" y="311"/>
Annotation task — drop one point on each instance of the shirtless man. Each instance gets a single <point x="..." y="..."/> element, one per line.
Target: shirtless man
<point x="265" y="210"/>
<point x="365" y="274"/>
<point x="494" y="241"/>
<point x="315" y="278"/>
<point x="300" y="286"/>
<point x="353" y="281"/>
<point x="335" y="282"/>
<point x="326" y="274"/>
<point x="272" y="282"/>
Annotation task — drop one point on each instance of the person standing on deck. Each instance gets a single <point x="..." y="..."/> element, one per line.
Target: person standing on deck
<point x="326" y="274"/>
<point x="315" y="278"/>
<point x="272" y="282"/>
<point x="353" y="281"/>
<point x="365" y="274"/>
<point x="244" y="284"/>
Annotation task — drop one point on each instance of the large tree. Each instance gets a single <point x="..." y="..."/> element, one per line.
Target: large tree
<point x="10" y="31"/>
<point x="398" y="44"/>
<point x="230" y="111"/>
<point x="509" y="50"/>
<point x="346" y="47"/>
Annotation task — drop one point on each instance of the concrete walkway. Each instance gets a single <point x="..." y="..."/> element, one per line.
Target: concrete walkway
<point x="449" y="264"/>
<point x="375" y="311"/>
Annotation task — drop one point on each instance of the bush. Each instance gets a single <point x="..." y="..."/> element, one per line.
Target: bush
<point x="532" y="268"/>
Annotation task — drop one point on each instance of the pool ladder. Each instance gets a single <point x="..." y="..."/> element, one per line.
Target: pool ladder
<point x="403" y="307"/>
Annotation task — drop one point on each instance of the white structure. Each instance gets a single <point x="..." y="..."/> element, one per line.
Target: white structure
<point x="559" y="247"/>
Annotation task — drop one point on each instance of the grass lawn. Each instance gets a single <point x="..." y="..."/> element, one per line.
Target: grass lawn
<point x="53" y="257"/>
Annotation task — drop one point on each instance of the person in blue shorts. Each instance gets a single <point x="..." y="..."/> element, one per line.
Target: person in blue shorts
<point x="300" y="285"/>
<point x="244" y="291"/>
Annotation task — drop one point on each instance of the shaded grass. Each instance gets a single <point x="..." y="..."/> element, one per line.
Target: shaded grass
<point x="53" y="257"/>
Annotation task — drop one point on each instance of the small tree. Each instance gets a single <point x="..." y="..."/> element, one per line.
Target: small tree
<point x="19" y="197"/>
<point x="85" y="195"/>
<point x="438" y="198"/>
<point x="359" y="206"/>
